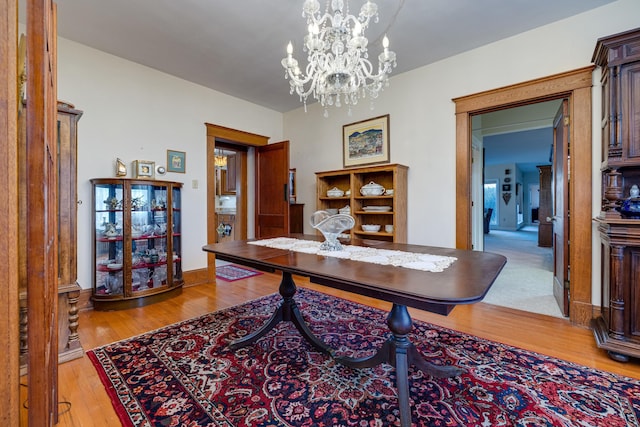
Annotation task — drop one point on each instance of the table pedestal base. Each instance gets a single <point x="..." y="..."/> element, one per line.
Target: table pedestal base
<point x="287" y="311"/>
<point x="397" y="351"/>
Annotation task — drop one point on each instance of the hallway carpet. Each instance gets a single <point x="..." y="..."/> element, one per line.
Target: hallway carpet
<point x="526" y="282"/>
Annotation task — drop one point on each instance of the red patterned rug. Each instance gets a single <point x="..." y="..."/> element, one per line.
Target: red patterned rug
<point x="184" y="375"/>
<point x="231" y="272"/>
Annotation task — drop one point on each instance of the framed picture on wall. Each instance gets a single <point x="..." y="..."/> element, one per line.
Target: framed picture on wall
<point x="292" y="185"/>
<point x="176" y="161"/>
<point x="366" y="142"/>
<point x="143" y="169"/>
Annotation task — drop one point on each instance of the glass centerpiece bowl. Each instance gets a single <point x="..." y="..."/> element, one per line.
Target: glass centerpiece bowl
<point x="331" y="226"/>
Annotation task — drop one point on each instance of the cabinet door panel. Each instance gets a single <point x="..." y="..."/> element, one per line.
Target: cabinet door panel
<point x="634" y="290"/>
<point x="631" y="110"/>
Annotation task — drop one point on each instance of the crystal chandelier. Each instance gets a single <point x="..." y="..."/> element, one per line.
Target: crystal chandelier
<point x="338" y="68"/>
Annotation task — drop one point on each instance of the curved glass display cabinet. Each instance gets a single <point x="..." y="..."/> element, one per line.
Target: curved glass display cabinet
<point x="137" y="242"/>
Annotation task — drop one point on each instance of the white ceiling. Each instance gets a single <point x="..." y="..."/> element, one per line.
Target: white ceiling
<point x="235" y="46"/>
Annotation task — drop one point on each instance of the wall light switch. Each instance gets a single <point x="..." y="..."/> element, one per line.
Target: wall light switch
<point x="194" y="184"/>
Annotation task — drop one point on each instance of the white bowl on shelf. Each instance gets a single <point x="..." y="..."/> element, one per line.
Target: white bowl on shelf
<point x="372" y="189"/>
<point x="371" y="228"/>
<point x="335" y="192"/>
<point x="346" y="210"/>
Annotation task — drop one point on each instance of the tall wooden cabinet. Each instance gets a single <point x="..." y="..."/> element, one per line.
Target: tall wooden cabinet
<point x="137" y="248"/>
<point x="69" y="346"/>
<point x="388" y="210"/>
<point x="618" y="328"/>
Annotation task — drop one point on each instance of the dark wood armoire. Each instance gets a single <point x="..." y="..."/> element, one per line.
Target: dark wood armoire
<point x="69" y="346"/>
<point x="617" y="329"/>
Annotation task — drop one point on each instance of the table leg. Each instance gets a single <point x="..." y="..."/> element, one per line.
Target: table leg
<point x="399" y="352"/>
<point x="287" y="311"/>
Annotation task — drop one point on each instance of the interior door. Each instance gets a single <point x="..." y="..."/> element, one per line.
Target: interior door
<point x="561" y="176"/>
<point x="272" y="192"/>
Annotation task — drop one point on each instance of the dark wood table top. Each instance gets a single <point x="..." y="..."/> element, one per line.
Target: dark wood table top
<point x="466" y="281"/>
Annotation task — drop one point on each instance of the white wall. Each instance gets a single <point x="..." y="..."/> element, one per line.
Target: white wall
<point x="422" y="114"/>
<point x="134" y="112"/>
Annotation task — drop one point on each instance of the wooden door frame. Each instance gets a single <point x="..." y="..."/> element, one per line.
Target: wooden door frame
<point x="233" y="137"/>
<point x="9" y="314"/>
<point x="576" y="86"/>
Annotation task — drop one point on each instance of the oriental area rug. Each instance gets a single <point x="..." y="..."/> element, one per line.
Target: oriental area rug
<point x="185" y="375"/>
<point x="232" y="272"/>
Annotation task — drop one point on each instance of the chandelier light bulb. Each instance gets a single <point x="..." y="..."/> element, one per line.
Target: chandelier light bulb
<point x="338" y="69"/>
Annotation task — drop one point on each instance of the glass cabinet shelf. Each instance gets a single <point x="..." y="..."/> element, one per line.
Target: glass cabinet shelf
<point x="137" y="242"/>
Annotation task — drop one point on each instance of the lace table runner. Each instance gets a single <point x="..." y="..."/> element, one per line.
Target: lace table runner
<point x="416" y="261"/>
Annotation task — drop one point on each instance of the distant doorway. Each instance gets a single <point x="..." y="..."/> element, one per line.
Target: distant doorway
<point x="490" y="203"/>
<point x="241" y="143"/>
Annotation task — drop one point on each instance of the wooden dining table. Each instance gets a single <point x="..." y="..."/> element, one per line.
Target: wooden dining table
<point x="466" y="281"/>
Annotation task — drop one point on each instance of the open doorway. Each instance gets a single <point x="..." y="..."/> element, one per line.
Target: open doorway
<point x="576" y="86"/>
<point x="242" y="144"/>
<point x="227" y="180"/>
<point x="516" y="142"/>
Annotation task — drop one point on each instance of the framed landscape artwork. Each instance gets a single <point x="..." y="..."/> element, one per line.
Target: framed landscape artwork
<point x="366" y="142"/>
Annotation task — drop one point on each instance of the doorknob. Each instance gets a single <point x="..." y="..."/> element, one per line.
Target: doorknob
<point x="549" y="219"/>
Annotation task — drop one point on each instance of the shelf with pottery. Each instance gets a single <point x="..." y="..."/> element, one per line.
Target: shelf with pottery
<point x="376" y="196"/>
<point x="137" y="242"/>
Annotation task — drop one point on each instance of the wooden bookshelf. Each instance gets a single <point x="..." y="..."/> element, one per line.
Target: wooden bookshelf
<point x="383" y="210"/>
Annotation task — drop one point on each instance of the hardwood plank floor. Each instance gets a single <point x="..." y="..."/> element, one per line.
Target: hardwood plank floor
<point x="90" y="406"/>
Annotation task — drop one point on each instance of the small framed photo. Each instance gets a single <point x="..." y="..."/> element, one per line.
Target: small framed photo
<point x="176" y="161"/>
<point x="366" y="142"/>
<point x="144" y="169"/>
<point x="506" y="187"/>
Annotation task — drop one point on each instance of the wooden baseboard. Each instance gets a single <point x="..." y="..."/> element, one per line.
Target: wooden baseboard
<point x="581" y="313"/>
<point x="191" y="278"/>
<point x="195" y="277"/>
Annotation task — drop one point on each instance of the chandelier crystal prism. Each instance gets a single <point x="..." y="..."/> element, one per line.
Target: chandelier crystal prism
<point x="338" y="68"/>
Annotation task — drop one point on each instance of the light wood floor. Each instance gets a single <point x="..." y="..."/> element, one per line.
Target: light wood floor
<point x="80" y="386"/>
